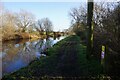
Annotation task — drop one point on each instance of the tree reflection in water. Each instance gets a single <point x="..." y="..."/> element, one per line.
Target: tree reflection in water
<point x="16" y="55"/>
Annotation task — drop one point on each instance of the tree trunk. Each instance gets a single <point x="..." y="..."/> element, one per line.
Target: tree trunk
<point x="89" y="28"/>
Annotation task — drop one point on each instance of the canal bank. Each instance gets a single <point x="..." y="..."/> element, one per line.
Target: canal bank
<point x="18" y="54"/>
<point x="66" y="59"/>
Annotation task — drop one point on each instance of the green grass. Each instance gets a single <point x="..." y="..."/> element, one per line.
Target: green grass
<point x="67" y="58"/>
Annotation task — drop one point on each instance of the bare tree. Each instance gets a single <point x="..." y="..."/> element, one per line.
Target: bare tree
<point x="111" y="26"/>
<point x="8" y="24"/>
<point x="106" y="25"/>
<point x="79" y="20"/>
<point x="39" y="27"/>
<point x="47" y="25"/>
<point x="24" y="19"/>
<point x="78" y="14"/>
<point x="44" y="25"/>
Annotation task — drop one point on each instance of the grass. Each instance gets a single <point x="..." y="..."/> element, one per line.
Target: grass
<point x="67" y="58"/>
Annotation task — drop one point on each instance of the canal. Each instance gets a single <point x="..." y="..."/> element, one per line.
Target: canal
<point x="18" y="54"/>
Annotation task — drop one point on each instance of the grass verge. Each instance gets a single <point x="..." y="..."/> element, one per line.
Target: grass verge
<point x="67" y="58"/>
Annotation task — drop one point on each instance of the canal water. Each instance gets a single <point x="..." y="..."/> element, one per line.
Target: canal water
<point x="18" y="54"/>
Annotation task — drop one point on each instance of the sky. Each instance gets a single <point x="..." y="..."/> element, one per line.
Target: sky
<point x="57" y="12"/>
<point x="58" y="0"/>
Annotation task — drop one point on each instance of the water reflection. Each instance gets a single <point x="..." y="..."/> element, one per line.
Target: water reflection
<point x="16" y="55"/>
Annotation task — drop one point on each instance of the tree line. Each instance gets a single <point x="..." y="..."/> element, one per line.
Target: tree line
<point x="105" y="25"/>
<point x="22" y="23"/>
